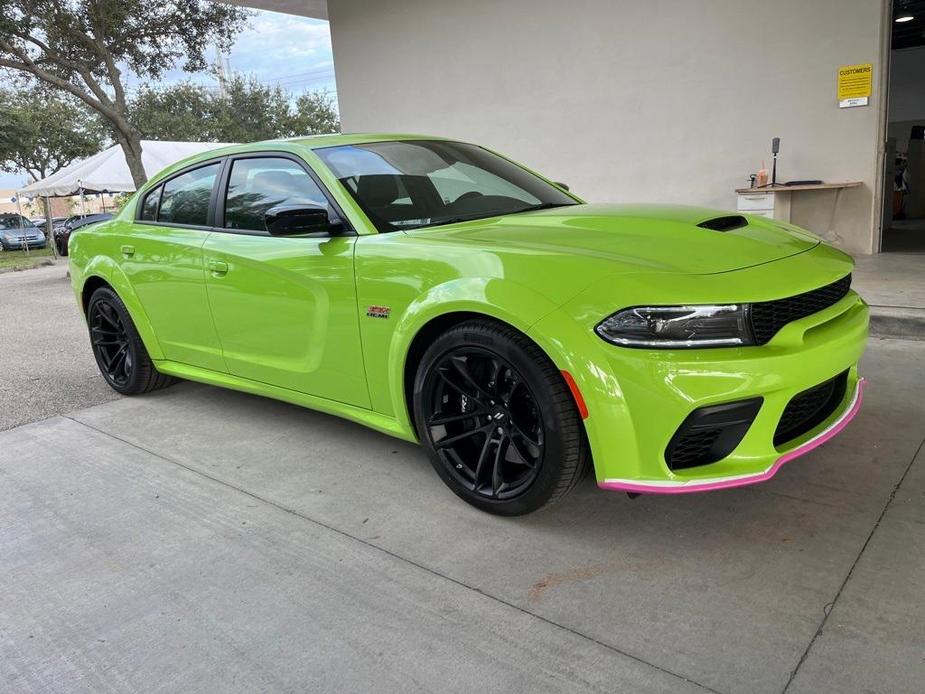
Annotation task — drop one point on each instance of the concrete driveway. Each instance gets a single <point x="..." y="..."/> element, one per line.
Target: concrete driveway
<point x="204" y="540"/>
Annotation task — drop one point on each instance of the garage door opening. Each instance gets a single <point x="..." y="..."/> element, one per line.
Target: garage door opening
<point x="904" y="194"/>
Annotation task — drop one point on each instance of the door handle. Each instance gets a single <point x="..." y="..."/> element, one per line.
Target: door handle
<point x="128" y="251"/>
<point x="218" y="267"/>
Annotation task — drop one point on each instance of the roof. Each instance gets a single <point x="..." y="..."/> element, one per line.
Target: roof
<point x="107" y="172"/>
<point x="311" y="142"/>
<point x="319" y="141"/>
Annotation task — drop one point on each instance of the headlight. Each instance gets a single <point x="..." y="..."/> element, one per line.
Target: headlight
<point x="673" y="327"/>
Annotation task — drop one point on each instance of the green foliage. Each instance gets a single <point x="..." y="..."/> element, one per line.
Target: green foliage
<point x="42" y="131"/>
<point x="179" y="112"/>
<point x="68" y="38"/>
<point x="247" y="112"/>
<point x="313" y="114"/>
<point x="82" y="46"/>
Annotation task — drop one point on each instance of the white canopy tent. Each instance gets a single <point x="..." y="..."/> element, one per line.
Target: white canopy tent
<point x="107" y="171"/>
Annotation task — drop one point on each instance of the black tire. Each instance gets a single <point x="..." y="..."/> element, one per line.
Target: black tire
<point x="485" y="389"/>
<point x="120" y="354"/>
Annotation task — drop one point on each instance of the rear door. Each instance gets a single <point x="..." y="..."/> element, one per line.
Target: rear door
<point x="162" y="258"/>
<point x="284" y="306"/>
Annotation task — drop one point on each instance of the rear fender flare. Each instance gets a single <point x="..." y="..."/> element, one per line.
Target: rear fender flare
<point x="108" y="270"/>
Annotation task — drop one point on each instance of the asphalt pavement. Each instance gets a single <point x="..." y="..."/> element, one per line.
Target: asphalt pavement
<point x="46" y="366"/>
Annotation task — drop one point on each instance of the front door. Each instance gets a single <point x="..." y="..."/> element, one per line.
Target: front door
<point x="284" y="306"/>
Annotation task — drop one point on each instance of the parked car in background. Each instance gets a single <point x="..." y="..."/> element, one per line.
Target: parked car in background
<point x="441" y="293"/>
<point x="17" y="232"/>
<point x="41" y="222"/>
<point x="60" y="222"/>
<point x="63" y="233"/>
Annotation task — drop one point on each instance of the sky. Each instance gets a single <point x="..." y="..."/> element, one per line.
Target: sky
<point x="293" y="52"/>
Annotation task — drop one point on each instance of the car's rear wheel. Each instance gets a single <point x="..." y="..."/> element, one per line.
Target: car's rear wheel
<point x="117" y="347"/>
<point x="498" y="420"/>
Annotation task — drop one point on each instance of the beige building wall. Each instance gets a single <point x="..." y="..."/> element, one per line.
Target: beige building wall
<point x="629" y="100"/>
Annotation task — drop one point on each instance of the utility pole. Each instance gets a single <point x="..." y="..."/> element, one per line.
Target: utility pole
<point x="220" y="73"/>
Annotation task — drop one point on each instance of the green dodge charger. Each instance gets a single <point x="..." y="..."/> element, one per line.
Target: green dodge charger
<point x="441" y="293"/>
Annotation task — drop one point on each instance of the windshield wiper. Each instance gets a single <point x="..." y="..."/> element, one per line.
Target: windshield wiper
<point x="495" y="213"/>
<point x="543" y="206"/>
<point x="465" y="218"/>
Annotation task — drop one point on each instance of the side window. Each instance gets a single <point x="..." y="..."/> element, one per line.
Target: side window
<point x="259" y="184"/>
<point x="149" y="205"/>
<point x="186" y="197"/>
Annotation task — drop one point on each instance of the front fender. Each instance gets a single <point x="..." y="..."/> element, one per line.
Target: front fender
<point x="496" y="298"/>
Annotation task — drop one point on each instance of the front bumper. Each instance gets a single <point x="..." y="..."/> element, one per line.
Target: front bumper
<point x="16" y="244"/>
<point x="637" y="399"/>
<point x="681" y="486"/>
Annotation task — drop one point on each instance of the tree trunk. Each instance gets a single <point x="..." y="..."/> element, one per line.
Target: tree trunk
<point x="131" y="148"/>
<point x="49" y="227"/>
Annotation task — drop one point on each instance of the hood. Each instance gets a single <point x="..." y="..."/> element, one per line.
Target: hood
<point x="643" y="238"/>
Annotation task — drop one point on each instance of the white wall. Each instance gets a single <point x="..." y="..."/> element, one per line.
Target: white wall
<point x="627" y="100"/>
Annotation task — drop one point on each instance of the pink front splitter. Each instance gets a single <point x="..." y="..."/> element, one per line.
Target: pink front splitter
<point x="674" y="487"/>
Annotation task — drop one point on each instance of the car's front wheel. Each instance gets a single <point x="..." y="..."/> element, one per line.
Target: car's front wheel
<point x="498" y="420"/>
<point x="119" y="351"/>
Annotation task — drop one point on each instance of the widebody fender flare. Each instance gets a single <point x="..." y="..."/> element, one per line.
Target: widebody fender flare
<point x="500" y="299"/>
<point x="106" y="269"/>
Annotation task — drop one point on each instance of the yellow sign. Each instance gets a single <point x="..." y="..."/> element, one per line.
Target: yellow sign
<point x="855" y="83"/>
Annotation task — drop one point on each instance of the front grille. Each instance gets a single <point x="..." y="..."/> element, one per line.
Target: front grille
<point x="810" y="408"/>
<point x="768" y="317"/>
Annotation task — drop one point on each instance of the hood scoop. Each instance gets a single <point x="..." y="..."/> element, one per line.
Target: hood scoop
<point x="726" y="223"/>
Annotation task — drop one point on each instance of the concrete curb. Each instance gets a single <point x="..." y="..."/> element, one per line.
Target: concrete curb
<point x="897" y="322"/>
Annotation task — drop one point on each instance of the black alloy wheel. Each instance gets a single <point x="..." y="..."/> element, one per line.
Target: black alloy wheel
<point x="498" y="420"/>
<point x="119" y="351"/>
<point x="484" y="423"/>
<point x="110" y="343"/>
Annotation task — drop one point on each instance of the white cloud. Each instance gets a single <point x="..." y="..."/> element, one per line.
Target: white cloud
<point x="293" y="51"/>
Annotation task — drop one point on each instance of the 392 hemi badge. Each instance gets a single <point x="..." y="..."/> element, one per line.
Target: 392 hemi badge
<point x="378" y="311"/>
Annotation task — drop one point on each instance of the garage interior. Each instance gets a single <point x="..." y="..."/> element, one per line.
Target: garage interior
<point x="904" y="199"/>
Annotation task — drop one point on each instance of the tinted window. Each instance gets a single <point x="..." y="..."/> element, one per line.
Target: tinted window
<point x="257" y="185"/>
<point x="149" y="206"/>
<point x="14" y="221"/>
<point x="418" y="183"/>
<point x="186" y="197"/>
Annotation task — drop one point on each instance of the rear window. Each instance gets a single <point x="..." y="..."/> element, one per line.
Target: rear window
<point x="149" y="205"/>
<point x="185" y="199"/>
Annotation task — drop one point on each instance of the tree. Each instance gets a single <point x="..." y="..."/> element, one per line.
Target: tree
<point x="247" y="112"/>
<point x="179" y="112"/>
<point x="314" y="114"/>
<point x="82" y="46"/>
<point x="42" y="131"/>
<point x="251" y="111"/>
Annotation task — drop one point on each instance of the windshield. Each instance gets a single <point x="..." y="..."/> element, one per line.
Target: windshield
<point x="418" y="183"/>
<point x="14" y="221"/>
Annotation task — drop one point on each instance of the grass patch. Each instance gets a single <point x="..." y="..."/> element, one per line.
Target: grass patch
<point x="22" y="260"/>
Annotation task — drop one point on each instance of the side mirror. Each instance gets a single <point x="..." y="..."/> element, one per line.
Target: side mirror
<point x="290" y="220"/>
<point x="563" y="186"/>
